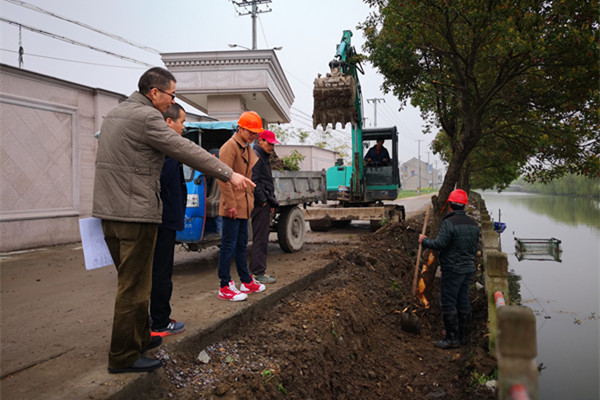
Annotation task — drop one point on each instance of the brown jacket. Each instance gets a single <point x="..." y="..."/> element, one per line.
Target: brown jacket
<point x="133" y="141"/>
<point x="241" y="158"/>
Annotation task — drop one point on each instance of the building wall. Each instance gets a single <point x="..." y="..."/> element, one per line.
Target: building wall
<point x="315" y="158"/>
<point x="47" y="155"/>
<point x="409" y="175"/>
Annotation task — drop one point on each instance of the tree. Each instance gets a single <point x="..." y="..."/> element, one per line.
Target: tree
<point x="522" y="75"/>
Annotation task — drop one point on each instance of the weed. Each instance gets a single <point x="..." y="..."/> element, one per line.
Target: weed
<point x="281" y="388"/>
<point x="267" y="375"/>
<point x="333" y="332"/>
<point x="481" y="379"/>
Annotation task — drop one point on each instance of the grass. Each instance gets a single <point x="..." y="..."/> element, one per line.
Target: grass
<point x="412" y="193"/>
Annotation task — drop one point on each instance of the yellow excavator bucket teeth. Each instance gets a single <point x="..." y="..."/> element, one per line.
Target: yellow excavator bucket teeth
<point x="334" y="97"/>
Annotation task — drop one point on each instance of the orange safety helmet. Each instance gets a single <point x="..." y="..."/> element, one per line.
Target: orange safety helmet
<point x="458" y="196"/>
<point x="251" y="120"/>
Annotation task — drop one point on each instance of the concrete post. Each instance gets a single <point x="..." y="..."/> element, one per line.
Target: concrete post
<point x="484" y="216"/>
<point x="487" y="226"/>
<point x="516" y="351"/>
<point x="490" y="243"/>
<point x="496" y="274"/>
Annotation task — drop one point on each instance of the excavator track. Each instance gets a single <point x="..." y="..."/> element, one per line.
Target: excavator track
<point x="334" y="100"/>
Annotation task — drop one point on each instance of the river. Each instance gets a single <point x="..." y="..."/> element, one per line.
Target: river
<point x="563" y="295"/>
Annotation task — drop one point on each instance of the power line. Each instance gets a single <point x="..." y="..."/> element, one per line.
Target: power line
<point x="111" y="35"/>
<point x="75" y="42"/>
<point x="73" y="61"/>
<point x="399" y="122"/>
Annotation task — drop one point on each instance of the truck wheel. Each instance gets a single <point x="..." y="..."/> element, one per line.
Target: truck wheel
<point x="319" y="225"/>
<point x="291" y="230"/>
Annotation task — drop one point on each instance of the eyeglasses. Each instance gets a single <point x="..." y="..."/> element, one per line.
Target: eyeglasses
<point x="173" y="95"/>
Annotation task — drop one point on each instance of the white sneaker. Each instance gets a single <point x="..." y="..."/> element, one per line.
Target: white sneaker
<point x="253" y="287"/>
<point x="231" y="293"/>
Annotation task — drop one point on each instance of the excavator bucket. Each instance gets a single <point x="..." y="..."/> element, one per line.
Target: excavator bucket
<point x="334" y="99"/>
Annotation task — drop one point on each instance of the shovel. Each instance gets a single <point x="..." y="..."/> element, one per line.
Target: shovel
<point x="409" y="321"/>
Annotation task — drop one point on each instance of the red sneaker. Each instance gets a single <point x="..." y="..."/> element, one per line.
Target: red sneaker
<point x="252" y="287"/>
<point x="231" y="293"/>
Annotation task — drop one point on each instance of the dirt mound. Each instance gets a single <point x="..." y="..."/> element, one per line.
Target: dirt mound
<point x="341" y="339"/>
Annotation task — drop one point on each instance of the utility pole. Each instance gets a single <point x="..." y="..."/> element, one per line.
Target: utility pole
<point x="429" y="182"/>
<point x="250" y="7"/>
<point x="419" y="184"/>
<point x="375" y="101"/>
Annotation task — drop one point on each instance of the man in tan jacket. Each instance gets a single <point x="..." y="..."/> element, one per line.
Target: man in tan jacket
<point x="235" y="207"/>
<point x="133" y="141"/>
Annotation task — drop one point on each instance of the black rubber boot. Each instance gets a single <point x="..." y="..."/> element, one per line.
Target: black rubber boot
<point x="451" y="325"/>
<point x="463" y="327"/>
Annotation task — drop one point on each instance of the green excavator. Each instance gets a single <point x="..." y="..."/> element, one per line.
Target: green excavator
<point x="360" y="187"/>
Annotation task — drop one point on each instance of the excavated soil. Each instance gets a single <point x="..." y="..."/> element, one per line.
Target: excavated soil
<point x="341" y="338"/>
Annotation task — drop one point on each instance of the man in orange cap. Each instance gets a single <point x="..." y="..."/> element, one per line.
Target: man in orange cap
<point x="264" y="204"/>
<point x="457" y="242"/>
<point x="235" y="207"/>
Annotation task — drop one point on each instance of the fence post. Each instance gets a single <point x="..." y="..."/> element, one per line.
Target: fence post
<point x="516" y="346"/>
<point x="496" y="274"/>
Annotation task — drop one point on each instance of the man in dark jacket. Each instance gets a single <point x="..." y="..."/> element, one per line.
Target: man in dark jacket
<point x="264" y="204"/>
<point x="458" y="242"/>
<point x="377" y="155"/>
<point x="173" y="194"/>
<point x="133" y="141"/>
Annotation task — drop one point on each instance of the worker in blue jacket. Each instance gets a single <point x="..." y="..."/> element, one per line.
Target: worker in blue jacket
<point x="173" y="194"/>
<point x="457" y="242"/>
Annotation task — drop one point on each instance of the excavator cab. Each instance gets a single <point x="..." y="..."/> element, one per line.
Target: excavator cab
<point x="382" y="179"/>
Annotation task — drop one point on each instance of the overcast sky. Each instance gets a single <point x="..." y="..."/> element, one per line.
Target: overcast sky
<point x="308" y="30"/>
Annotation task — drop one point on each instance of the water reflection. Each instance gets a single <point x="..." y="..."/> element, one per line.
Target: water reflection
<point x="563" y="296"/>
<point x="570" y="210"/>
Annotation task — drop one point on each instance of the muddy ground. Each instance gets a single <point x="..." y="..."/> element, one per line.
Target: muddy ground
<point x="342" y="339"/>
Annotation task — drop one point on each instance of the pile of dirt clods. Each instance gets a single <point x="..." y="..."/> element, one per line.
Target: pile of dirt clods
<point x="341" y="338"/>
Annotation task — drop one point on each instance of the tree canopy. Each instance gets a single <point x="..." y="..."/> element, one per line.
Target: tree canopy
<point x="512" y="85"/>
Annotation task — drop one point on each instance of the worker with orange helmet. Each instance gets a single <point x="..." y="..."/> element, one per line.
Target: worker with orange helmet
<point x="457" y="242"/>
<point x="236" y="207"/>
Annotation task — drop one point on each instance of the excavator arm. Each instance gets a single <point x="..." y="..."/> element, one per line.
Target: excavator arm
<point x="338" y="98"/>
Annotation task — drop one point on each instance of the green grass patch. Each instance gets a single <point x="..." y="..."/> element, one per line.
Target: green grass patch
<point x="412" y="193"/>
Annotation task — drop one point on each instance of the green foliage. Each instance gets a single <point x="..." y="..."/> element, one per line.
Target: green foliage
<point x="292" y="162"/>
<point x="512" y="86"/>
<point x="568" y="185"/>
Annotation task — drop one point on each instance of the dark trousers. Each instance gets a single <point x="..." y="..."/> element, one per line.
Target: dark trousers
<point x="261" y="219"/>
<point x="233" y="244"/>
<point x="131" y="246"/>
<point x="162" y="273"/>
<point x="454" y="292"/>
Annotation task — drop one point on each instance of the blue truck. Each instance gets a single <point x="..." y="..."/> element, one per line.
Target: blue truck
<point x="293" y="190"/>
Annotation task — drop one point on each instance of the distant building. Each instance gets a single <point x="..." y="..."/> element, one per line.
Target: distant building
<point x="409" y="175"/>
<point x="315" y="158"/>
